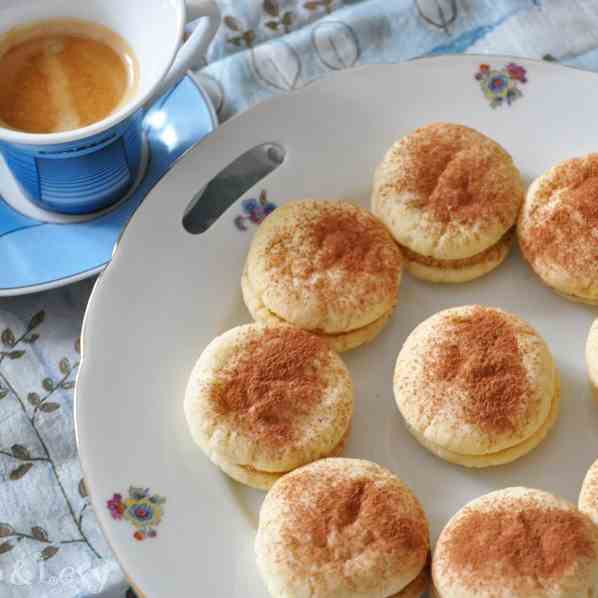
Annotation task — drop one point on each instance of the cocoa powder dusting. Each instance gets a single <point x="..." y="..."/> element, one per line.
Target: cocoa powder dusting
<point x="479" y="354"/>
<point x="335" y="246"/>
<point x="568" y="234"/>
<point x="459" y="188"/>
<point x="336" y="519"/>
<point x="348" y="240"/>
<point x="274" y="381"/>
<point x="535" y="543"/>
<point x="460" y="175"/>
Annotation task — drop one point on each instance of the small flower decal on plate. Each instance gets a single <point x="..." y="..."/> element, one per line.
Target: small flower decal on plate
<point x="254" y="210"/>
<point x="501" y="85"/>
<point x="141" y="509"/>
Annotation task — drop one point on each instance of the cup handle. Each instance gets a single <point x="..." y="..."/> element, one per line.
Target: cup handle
<point x="192" y="53"/>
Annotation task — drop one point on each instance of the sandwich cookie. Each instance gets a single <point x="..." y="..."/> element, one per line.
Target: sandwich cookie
<point x="517" y="543"/>
<point x="263" y="400"/>
<point x="327" y="267"/>
<point x="558" y="228"/>
<point x="342" y="528"/>
<point x="477" y="386"/>
<point x="450" y="197"/>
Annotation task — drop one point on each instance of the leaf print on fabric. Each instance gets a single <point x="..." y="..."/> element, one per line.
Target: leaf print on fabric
<point x="232" y="23"/>
<point x="39" y="533"/>
<point x="6" y="530"/>
<point x="8" y="338"/>
<point x="33" y="399"/>
<point x="288" y="18"/>
<point x="277" y="65"/>
<point x="82" y="489"/>
<point x="245" y="37"/>
<point x="277" y="21"/>
<point x="64" y="365"/>
<point x="36" y="320"/>
<point x="20" y="471"/>
<point x="326" y="5"/>
<point x="440" y="14"/>
<point x="32" y="404"/>
<point x="48" y="553"/>
<point x="336" y="44"/>
<point x="271" y="7"/>
<point x="20" y="452"/>
<point x="42" y="404"/>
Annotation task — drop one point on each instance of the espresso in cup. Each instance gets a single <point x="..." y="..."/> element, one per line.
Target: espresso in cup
<point x="61" y="75"/>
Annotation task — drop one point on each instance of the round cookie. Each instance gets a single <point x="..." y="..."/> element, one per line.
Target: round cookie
<point x="558" y="228"/>
<point x="588" y="497"/>
<point x="592" y="357"/>
<point x="517" y="543"/>
<point x="477" y="386"/>
<point x="450" y="197"/>
<point x="342" y="527"/>
<point x="327" y="267"/>
<point x="264" y="400"/>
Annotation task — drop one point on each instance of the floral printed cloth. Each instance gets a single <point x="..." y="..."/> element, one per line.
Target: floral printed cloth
<point x="50" y="544"/>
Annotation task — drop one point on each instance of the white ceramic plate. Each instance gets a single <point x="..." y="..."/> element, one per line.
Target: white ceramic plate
<point x="168" y="293"/>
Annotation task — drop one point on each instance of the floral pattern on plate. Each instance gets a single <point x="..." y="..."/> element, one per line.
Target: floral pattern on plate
<point x="141" y="509"/>
<point x="501" y="85"/>
<point x="254" y="210"/>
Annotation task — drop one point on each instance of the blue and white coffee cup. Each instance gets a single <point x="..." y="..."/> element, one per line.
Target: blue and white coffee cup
<point x="90" y="168"/>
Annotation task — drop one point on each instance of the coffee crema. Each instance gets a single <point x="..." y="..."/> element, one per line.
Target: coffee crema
<point x="61" y="75"/>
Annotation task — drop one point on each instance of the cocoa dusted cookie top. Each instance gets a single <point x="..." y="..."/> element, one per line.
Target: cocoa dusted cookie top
<point x="558" y="228"/>
<point x="517" y="542"/>
<point x="447" y="191"/>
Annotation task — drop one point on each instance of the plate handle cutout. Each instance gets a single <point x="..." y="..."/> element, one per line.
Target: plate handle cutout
<point x="230" y="184"/>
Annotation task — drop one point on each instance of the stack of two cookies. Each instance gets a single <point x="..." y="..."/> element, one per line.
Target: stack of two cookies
<point x="266" y="398"/>
<point x="327" y="267"/>
<point x="477" y="386"/>
<point x="450" y="197"/>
